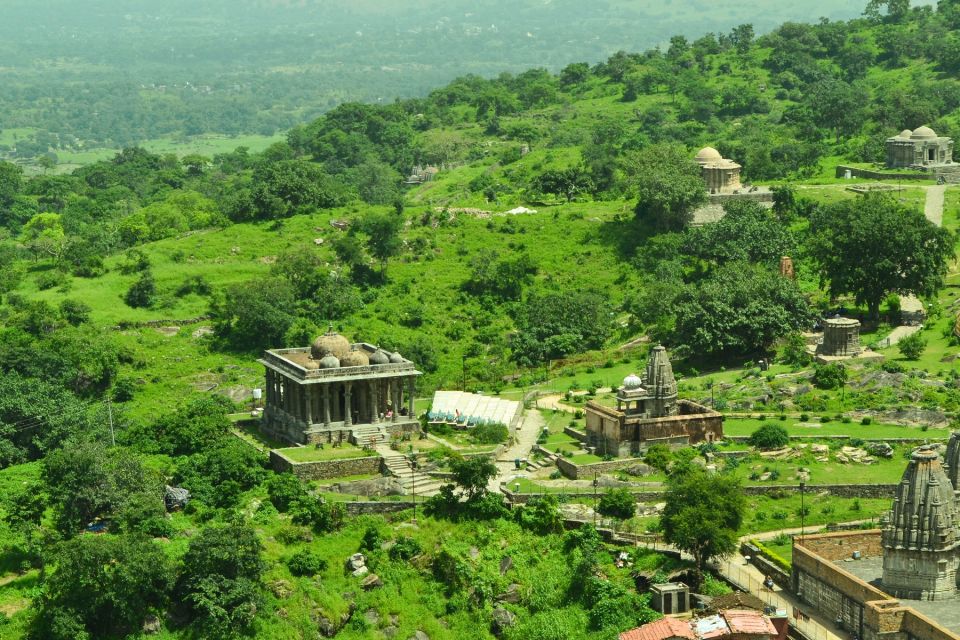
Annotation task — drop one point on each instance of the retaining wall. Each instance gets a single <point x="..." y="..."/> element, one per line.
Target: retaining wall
<point x="325" y="469"/>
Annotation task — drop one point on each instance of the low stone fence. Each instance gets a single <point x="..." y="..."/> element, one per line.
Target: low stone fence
<point x="576" y="435"/>
<point x="858" y="172"/>
<point x="325" y="469"/>
<point x="917" y="441"/>
<point x="579" y="471"/>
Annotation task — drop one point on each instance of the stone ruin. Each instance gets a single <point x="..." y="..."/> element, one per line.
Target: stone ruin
<point x="841" y="338"/>
<point x="920" y="148"/>
<point x="786" y="268"/>
<point x="921" y="532"/>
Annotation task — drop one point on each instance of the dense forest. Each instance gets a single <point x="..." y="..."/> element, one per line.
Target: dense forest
<point x="80" y="75"/>
<point x="138" y="291"/>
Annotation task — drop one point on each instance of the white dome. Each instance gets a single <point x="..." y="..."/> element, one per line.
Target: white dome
<point x="906" y="133"/>
<point x="923" y="133"/>
<point x="632" y="381"/>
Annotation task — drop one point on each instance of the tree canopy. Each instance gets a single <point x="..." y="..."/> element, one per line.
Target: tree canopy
<point x="874" y="246"/>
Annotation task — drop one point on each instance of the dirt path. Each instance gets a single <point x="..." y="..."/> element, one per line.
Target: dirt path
<point x="524" y="439"/>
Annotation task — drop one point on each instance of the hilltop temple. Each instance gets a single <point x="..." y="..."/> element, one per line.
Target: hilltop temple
<point x="648" y="411"/>
<point x="335" y="391"/>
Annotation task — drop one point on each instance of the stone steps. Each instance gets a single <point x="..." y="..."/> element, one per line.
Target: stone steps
<point x="410" y="479"/>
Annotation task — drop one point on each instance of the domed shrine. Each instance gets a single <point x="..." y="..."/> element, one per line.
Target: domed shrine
<point x="648" y="411"/>
<point x="918" y="149"/>
<point x="335" y="390"/>
<point x="720" y="175"/>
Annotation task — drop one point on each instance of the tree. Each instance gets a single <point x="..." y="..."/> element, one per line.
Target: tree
<point x="221" y="583"/>
<point x="668" y="186"/>
<point x="769" y="436"/>
<point x="912" y="346"/>
<point x="142" y="293"/>
<point x="502" y="277"/>
<point x="563" y="182"/>
<point x="618" y="503"/>
<point x="382" y="232"/>
<point x="830" y="376"/>
<point x="747" y="232"/>
<point x="473" y="475"/>
<point x="703" y="513"/>
<point x="874" y="246"/>
<point x="199" y="424"/>
<point x="104" y="586"/>
<point x="553" y="325"/>
<point x="739" y="309"/>
<point x="255" y="314"/>
<point x="541" y="515"/>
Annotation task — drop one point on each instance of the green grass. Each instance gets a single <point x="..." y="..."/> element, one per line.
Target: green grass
<point x="814" y="428"/>
<point x="765" y="513"/>
<point x="328" y="452"/>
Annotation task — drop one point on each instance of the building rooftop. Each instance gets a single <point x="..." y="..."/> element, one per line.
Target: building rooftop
<point x="661" y="630"/>
<point x="725" y="623"/>
<point x="870" y="570"/>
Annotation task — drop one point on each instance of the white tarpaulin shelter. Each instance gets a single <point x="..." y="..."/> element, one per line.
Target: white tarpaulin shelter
<point x="469" y="409"/>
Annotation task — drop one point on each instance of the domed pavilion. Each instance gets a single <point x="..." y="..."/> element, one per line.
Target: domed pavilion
<point x="719" y="174"/>
<point x="918" y="149"/>
<point x="335" y="390"/>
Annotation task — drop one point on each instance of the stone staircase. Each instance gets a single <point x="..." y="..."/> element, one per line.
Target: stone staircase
<point x="411" y="480"/>
<point x="369" y="435"/>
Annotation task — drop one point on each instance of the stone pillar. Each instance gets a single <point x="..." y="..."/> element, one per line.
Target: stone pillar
<point x="395" y="391"/>
<point x="309" y="391"/>
<point x="347" y="418"/>
<point x="326" y="405"/>
<point x="411" y="410"/>
<point x="285" y="394"/>
<point x="375" y="400"/>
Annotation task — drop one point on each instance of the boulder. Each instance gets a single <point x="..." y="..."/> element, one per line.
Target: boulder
<point x="502" y="620"/>
<point x="356" y="561"/>
<point x="511" y="595"/>
<point x="280" y="588"/>
<point x="360" y="572"/>
<point x="372" y="617"/>
<point x="640" y="470"/>
<point x="372" y="581"/>
<point x="419" y="635"/>
<point x="880" y="449"/>
<point x="506" y="563"/>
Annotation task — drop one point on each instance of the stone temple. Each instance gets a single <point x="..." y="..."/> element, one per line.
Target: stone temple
<point x="918" y="149"/>
<point x="841" y="338"/>
<point x="720" y="175"/>
<point x="921" y="533"/>
<point x="648" y="411"/>
<point x="334" y="391"/>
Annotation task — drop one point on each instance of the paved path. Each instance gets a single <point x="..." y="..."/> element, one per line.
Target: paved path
<point x="526" y="436"/>
<point x="933" y="208"/>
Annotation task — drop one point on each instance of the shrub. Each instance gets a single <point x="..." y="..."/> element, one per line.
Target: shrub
<point x="829" y="376"/>
<point x="866" y="421"/>
<point x="804" y="417"/>
<point x="618" y="503"/>
<point x="141" y="293"/>
<point x="658" y="456"/>
<point x="769" y="436"/>
<point x="404" y="548"/>
<point x="912" y="346"/>
<point x="284" y="489"/>
<point x="491" y="433"/>
<point x="305" y="563"/>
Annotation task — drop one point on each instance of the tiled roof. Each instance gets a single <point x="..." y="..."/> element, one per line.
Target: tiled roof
<point x="749" y="622"/>
<point x="660" y="630"/>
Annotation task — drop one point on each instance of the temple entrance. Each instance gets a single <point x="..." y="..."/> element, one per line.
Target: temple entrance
<point x="931" y="154"/>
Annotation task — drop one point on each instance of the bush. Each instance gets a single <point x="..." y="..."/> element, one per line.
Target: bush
<point x="404" y="549"/>
<point x="491" y="433"/>
<point x="618" y="503"/>
<point x="658" y="456"/>
<point x="912" y="346"/>
<point x="305" y="563"/>
<point x="142" y="293"/>
<point x="866" y="421"/>
<point x="804" y="417"/>
<point x="829" y="376"/>
<point x="284" y="489"/>
<point x="769" y="436"/>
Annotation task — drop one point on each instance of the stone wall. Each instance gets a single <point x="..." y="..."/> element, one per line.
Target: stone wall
<point x="366" y="508"/>
<point x="857" y="172"/>
<point x="581" y="471"/>
<point x="838" y="546"/>
<point x="576" y="435"/>
<point x="862" y="608"/>
<point x="325" y="469"/>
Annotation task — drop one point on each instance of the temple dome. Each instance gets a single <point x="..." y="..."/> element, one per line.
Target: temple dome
<point x="329" y="361"/>
<point x="707" y="155"/>
<point x="379" y="357"/>
<point x="396" y="358"/>
<point x="906" y="133"/>
<point x="923" y="133"/>
<point x="632" y="382"/>
<point x="354" y="358"/>
<point x="330" y="343"/>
